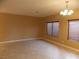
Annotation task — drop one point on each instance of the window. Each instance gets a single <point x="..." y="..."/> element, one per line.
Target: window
<point x="53" y="28"/>
<point x="74" y="30"/>
<point x="49" y="28"/>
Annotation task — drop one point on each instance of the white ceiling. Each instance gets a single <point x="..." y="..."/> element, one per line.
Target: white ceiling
<point x="38" y="8"/>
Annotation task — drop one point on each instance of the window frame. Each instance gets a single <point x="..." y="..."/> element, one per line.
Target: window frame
<point x="52" y="29"/>
<point x="68" y="38"/>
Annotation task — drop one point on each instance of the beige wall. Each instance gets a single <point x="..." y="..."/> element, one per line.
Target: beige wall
<point x="63" y="32"/>
<point x="14" y="27"/>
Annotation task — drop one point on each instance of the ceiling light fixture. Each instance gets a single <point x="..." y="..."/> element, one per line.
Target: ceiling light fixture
<point x="66" y="11"/>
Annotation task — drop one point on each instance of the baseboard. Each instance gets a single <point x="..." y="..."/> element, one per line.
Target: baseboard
<point x="63" y="45"/>
<point x="20" y="40"/>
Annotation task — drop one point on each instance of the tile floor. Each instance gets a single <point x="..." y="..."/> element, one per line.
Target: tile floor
<point x="34" y="49"/>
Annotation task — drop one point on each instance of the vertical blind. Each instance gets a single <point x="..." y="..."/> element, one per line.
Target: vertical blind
<point x="53" y="28"/>
<point x="74" y="30"/>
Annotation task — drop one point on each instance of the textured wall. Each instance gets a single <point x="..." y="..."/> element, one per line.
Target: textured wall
<point x="63" y="33"/>
<point x="14" y="27"/>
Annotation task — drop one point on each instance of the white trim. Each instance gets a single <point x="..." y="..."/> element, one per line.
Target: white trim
<point x="67" y="46"/>
<point x="63" y="45"/>
<point x="20" y="40"/>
